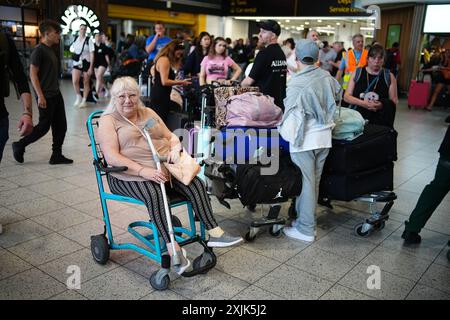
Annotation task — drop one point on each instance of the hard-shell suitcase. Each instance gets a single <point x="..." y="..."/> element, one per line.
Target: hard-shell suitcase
<point x="375" y="147"/>
<point x="240" y="144"/>
<point x="346" y="187"/>
<point x="419" y="93"/>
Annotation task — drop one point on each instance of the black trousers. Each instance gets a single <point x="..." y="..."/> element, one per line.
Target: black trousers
<point x="54" y="116"/>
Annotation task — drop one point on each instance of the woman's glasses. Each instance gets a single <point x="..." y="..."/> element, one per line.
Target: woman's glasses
<point x="123" y="97"/>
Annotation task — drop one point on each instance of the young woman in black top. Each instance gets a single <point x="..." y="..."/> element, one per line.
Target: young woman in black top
<point x="166" y="63"/>
<point x="373" y="91"/>
<point x="101" y="63"/>
<point x="195" y="58"/>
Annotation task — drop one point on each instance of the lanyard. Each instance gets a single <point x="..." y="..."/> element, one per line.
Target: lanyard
<point x="374" y="81"/>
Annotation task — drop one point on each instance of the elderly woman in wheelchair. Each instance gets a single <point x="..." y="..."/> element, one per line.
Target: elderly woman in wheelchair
<point x="123" y="145"/>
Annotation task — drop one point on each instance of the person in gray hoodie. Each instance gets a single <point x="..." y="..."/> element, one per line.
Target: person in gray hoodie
<point x="310" y="103"/>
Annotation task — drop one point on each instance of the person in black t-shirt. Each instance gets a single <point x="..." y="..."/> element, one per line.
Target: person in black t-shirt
<point x="10" y="64"/>
<point x="432" y="195"/>
<point x="44" y="78"/>
<point x="270" y="66"/>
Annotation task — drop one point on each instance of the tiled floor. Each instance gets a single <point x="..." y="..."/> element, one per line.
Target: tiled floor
<point x="48" y="214"/>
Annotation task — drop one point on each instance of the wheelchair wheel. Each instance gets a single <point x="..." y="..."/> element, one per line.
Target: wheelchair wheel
<point x="100" y="249"/>
<point x="176" y="222"/>
<point x="201" y="261"/>
<point x="160" y="285"/>
<point x="358" y="230"/>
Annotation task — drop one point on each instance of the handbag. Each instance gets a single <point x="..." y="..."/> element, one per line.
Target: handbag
<point x="76" y="56"/>
<point x="184" y="170"/>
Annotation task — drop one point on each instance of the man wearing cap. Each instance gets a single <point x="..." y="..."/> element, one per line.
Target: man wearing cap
<point x="270" y="66"/>
<point x="307" y="124"/>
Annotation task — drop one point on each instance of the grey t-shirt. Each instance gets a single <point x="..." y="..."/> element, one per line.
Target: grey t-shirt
<point x="45" y="59"/>
<point x="325" y="57"/>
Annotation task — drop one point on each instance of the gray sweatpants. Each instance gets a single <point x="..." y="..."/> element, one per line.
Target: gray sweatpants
<point x="311" y="163"/>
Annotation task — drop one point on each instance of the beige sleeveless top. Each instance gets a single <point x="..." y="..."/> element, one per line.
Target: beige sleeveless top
<point x="134" y="146"/>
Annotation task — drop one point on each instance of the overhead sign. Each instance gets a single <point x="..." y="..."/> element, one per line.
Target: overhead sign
<point x="330" y="8"/>
<point x="259" y="7"/>
<point x="75" y="16"/>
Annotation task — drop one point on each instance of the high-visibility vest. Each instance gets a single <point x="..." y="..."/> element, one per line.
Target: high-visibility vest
<point x="351" y="64"/>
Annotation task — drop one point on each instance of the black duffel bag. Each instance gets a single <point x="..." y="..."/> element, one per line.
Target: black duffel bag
<point x="254" y="188"/>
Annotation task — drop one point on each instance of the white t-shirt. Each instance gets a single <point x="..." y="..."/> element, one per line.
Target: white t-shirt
<point x="315" y="137"/>
<point x="77" y="46"/>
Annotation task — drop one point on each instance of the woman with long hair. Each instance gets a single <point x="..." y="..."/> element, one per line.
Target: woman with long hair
<point x="195" y="58"/>
<point x="101" y="63"/>
<point x="215" y="65"/>
<point x="84" y="66"/>
<point x="166" y="63"/>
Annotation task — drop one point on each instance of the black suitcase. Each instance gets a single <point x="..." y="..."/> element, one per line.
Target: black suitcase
<point x="376" y="147"/>
<point x="255" y="188"/>
<point x="346" y="187"/>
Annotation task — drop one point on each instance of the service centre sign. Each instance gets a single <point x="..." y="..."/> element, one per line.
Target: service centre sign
<point x="75" y="16"/>
<point x="299" y="8"/>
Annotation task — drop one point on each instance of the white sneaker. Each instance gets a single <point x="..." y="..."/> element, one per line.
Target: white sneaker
<point x="293" y="233"/>
<point x="77" y="101"/>
<point x="83" y="104"/>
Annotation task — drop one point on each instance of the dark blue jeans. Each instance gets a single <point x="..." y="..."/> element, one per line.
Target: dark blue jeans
<point x="4" y="128"/>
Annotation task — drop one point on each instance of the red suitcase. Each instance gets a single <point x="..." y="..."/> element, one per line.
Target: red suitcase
<point x="418" y="94"/>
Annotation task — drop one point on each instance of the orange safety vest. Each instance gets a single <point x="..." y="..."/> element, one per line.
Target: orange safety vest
<point x="351" y="63"/>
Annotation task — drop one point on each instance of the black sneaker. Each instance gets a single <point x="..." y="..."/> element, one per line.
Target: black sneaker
<point x="59" y="159"/>
<point x="411" y="237"/>
<point x="18" y="151"/>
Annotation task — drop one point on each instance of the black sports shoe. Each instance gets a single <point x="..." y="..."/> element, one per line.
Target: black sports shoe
<point x="411" y="237"/>
<point x="59" y="159"/>
<point x="18" y="151"/>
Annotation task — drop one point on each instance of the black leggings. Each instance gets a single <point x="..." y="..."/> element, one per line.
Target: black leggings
<point x="150" y="193"/>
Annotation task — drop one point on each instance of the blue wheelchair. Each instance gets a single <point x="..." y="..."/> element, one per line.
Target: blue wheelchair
<point x="155" y="247"/>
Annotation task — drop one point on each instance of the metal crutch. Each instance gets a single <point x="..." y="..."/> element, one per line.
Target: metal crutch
<point x="149" y="124"/>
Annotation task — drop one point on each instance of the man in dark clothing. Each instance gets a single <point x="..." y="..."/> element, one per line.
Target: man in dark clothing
<point x="10" y="65"/>
<point x="270" y="66"/>
<point x="431" y="196"/>
<point x="44" y="78"/>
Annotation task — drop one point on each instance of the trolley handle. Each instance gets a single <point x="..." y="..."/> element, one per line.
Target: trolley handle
<point x="114" y="169"/>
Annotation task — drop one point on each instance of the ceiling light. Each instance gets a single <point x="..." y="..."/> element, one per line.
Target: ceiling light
<point x="288" y="20"/>
<point x="355" y="21"/>
<point x="338" y="23"/>
<point x="319" y="21"/>
<point x="306" y="22"/>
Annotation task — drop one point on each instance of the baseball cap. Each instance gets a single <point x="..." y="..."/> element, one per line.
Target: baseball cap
<point x="307" y="51"/>
<point x="270" y="25"/>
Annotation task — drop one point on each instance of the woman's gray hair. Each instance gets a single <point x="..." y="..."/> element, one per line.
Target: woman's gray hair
<point x="119" y="85"/>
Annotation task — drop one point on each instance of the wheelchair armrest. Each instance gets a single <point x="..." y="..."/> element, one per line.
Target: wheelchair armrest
<point x="99" y="165"/>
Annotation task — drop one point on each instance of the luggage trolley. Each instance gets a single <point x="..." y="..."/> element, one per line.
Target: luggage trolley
<point x="377" y="219"/>
<point x="205" y="148"/>
<point x="155" y="248"/>
<point x="362" y="170"/>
